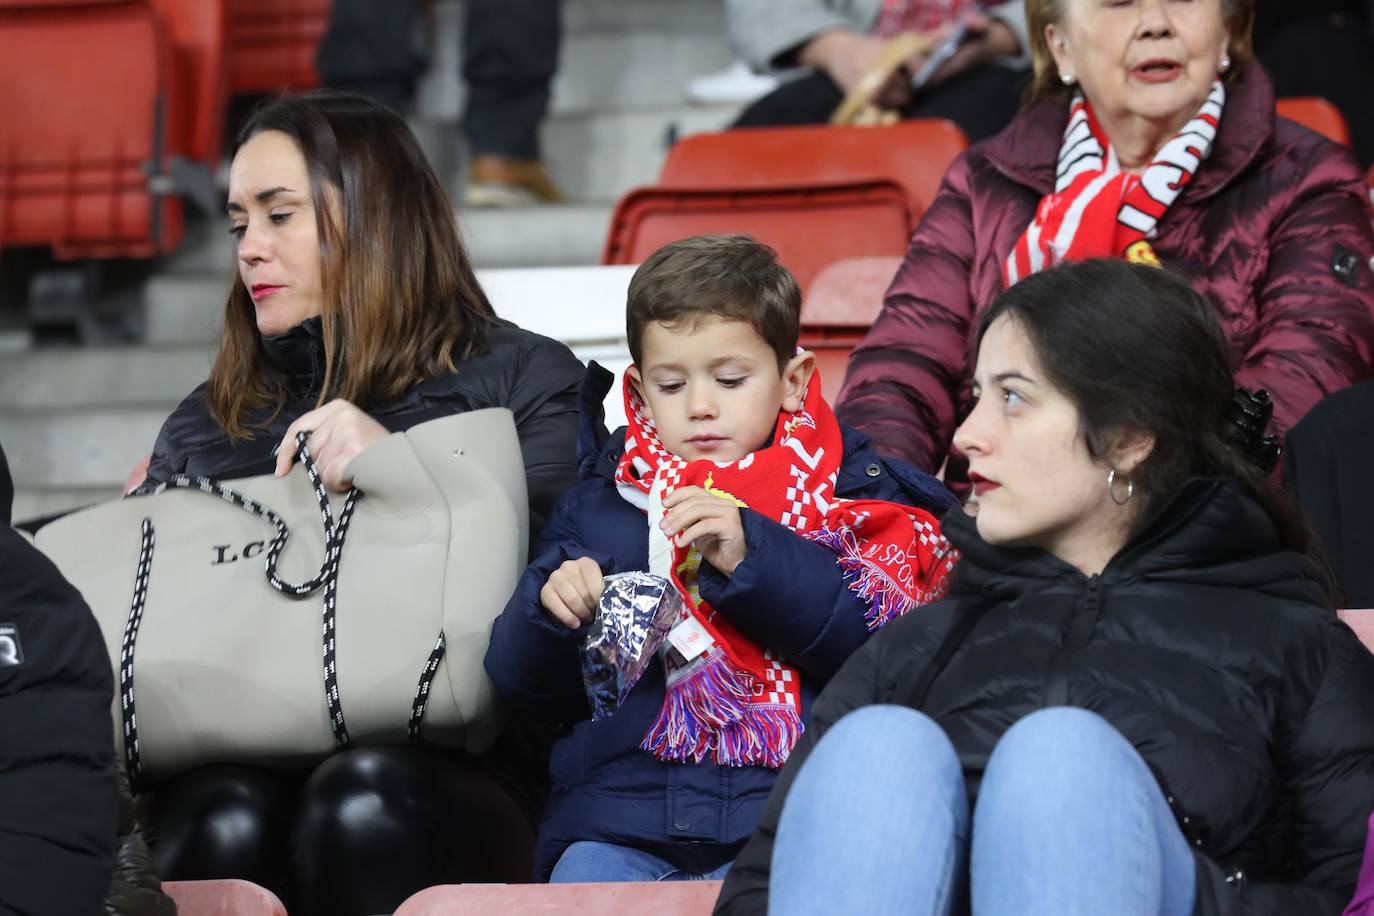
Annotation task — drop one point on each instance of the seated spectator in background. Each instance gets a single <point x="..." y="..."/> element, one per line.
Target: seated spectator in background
<point x="354" y="313"/>
<point x="978" y="89"/>
<point x="1323" y="48"/>
<point x="727" y="477"/>
<point x="1153" y="138"/>
<point x="1327" y="468"/>
<point x="57" y="780"/>
<point x="1137" y="686"/>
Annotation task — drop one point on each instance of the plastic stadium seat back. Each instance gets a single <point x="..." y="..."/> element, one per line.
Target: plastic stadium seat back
<point x="843" y="302"/>
<point x="197" y="29"/>
<point x="272" y="43"/>
<point x="667" y="898"/>
<point x="223" y="898"/>
<point x="1317" y="115"/>
<point x="913" y="154"/>
<point x="87" y="118"/>
<point x="1362" y="622"/>
<point x="809" y="227"/>
<point x="849" y="293"/>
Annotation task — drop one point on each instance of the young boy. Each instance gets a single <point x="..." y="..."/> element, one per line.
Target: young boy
<point x="782" y="533"/>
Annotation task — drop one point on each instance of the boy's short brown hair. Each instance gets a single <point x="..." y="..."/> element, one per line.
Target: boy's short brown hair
<point x="730" y="276"/>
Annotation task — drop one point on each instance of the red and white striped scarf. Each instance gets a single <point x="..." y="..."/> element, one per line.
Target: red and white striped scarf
<point x="1098" y="210"/>
<point x="731" y="700"/>
<point x="898" y="16"/>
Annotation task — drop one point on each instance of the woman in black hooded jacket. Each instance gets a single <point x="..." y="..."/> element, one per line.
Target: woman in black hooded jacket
<point x="355" y="313"/>
<point x="1137" y="698"/>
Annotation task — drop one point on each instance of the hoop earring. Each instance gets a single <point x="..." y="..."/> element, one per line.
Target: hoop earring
<point x="1111" y="488"/>
<point x="1067" y="79"/>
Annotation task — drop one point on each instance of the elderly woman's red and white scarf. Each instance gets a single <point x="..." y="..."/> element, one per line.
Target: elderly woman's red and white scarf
<point x="1098" y="210"/>
<point x="727" y="698"/>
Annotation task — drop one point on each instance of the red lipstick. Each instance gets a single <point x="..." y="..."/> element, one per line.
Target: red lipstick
<point x="261" y="291"/>
<point x="982" y="485"/>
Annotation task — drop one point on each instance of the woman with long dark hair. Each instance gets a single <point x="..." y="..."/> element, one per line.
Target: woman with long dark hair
<point x="1137" y="699"/>
<point x="355" y="313"/>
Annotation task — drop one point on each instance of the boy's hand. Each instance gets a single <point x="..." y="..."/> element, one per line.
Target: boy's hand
<point x="573" y="592"/>
<point x="709" y="523"/>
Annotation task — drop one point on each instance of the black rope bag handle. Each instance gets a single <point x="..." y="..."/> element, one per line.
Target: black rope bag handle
<point x="335" y="531"/>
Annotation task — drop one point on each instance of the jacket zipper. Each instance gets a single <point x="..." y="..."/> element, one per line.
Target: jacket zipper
<point x="1081" y="628"/>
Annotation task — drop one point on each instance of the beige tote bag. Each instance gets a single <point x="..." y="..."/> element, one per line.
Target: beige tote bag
<point x="215" y="664"/>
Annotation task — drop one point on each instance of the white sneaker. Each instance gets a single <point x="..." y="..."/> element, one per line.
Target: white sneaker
<point x="735" y="85"/>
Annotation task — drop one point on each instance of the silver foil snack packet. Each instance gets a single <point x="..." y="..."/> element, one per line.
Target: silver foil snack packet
<point x="637" y="610"/>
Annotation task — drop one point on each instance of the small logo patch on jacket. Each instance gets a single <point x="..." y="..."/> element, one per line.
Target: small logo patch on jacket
<point x="11" y="652"/>
<point x="1345" y="264"/>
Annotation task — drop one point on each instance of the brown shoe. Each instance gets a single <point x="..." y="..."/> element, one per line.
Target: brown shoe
<point x="504" y="181"/>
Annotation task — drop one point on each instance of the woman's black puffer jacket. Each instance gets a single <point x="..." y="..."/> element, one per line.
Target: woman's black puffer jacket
<point x="1202" y="642"/>
<point x="534" y="376"/>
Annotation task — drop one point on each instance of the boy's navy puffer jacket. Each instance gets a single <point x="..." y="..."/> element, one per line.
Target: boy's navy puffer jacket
<point x="788" y="594"/>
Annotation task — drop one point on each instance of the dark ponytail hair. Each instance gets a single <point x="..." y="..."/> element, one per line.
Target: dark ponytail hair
<point x="1138" y="349"/>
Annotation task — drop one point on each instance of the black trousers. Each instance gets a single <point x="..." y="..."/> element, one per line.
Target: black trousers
<point x="369" y="48"/>
<point x="981" y="101"/>
<point x="1331" y="59"/>
<point x="510" y="54"/>
<point x="357" y="835"/>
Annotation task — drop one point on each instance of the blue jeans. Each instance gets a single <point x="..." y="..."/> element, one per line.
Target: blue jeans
<point x="1069" y="821"/>
<point x="587" y="862"/>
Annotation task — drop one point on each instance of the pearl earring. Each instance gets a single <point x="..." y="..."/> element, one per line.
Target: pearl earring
<point x="1067" y="79"/>
<point x="1225" y="63"/>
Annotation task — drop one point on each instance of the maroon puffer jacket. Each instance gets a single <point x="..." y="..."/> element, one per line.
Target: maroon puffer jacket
<point x="1274" y="230"/>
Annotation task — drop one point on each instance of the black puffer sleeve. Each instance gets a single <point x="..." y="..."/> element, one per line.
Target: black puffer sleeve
<point x="57" y="781"/>
<point x="1328" y="763"/>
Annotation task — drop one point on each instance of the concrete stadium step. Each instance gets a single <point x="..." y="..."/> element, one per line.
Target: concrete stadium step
<point x="601" y="155"/>
<point x="79" y="447"/>
<point x="548" y="236"/>
<point x="105" y="377"/>
<point x="30" y="504"/>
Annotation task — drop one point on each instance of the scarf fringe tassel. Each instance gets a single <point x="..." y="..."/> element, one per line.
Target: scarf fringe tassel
<point x="707" y="711"/>
<point x="886" y="599"/>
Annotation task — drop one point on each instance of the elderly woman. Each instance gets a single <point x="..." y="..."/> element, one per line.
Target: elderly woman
<point x="1136" y="700"/>
<point x="355" y="313"/>
<point x="1152" y="137"/>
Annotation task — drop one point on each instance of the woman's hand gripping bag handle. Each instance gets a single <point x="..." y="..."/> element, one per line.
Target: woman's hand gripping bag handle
<point x="473" y="462"/>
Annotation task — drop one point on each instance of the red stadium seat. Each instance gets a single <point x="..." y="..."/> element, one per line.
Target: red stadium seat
<point x="88" y="124"/>
<point x="1318" y="115"/>
<point x="197" y="32"/>
<point x="223" y="898"/>
<point x="272" y="43"/>
<point x="914" y="154"/>
<point x="840" y="307"/>
<point x="809" y="226"/>
<point x="668" y="898"/>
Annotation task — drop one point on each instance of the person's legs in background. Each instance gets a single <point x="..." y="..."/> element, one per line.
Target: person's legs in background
<point x="806" y="100"/>
<point x="876" y="821"/>
<point x="981" y="101"/>
<point x="226" y="821"/>
<point x="1070" y="821"/>
<point x="370" y="48"/>
<point x="1328" y="57"/>
<point x="510" y="55"/>
<point x="379" y="824"/>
